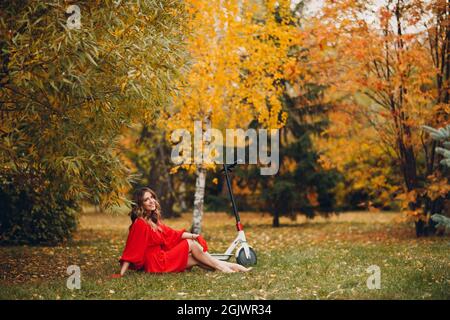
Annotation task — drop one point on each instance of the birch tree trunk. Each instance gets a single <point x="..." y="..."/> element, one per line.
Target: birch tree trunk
<point x="201" y="169"/>
<point x="198" y="200"/>
<point x="199" y="196"/>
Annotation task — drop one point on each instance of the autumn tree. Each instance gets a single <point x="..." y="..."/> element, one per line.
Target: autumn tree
<point x="302" y="185"/>
<point x="391" y="69"/>
<point x="238" y="49"/>
<point x="73" y="77"/>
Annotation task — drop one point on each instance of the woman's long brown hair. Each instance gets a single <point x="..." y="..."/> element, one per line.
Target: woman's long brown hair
<point x="137" y="209"/>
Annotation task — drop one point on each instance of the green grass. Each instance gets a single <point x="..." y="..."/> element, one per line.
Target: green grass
<point x="319" y="259"/>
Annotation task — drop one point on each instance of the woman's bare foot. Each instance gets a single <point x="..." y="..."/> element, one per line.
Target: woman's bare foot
<point x="238" y="267"/>
<point x="244" y="269"/>
<point x="228" y="270"/>
<point x="224" y="268"/>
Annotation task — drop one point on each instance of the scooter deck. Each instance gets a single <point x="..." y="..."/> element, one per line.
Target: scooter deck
<point x="221" y="256"/>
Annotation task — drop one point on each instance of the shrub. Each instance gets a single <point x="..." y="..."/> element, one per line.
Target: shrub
<point x="35" y="218"/>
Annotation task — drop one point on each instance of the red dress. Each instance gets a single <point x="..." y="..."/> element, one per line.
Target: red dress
<point x="155" y="251"/>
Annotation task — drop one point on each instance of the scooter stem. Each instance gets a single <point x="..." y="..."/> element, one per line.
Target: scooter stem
<point x="236" y="213"/>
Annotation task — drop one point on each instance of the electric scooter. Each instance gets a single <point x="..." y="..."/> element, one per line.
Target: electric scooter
<point x="245" y="255"/>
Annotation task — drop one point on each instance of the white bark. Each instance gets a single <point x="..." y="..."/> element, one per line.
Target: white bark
<point x="198" y="200"/>
<point x="199" y="196"/>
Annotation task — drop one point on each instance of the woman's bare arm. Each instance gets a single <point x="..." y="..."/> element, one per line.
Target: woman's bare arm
<point x="188" y="235"/>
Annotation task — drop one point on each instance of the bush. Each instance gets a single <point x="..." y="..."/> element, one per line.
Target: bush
<point x="216" y="203"/>
<point x="281" y="197"/>
<point x="70" y="96"/>
<point x="32" y="218"/>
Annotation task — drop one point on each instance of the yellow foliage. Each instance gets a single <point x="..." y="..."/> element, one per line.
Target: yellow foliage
<point x="438" y="187"/>
<point x="236" y="61"/>
<point x="373" y="109"/>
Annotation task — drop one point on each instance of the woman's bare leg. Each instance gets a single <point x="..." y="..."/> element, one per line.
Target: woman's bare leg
<point x="194" y="262"/>
<point x="198" y="254"/>
<point x="204" y="259"/>
<point x="191" y="262"/>
<point x="237" y="267"/>
<point x="233" y="266"/>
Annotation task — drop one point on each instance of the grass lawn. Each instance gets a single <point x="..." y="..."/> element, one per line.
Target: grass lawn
<point x="316" y="259"/>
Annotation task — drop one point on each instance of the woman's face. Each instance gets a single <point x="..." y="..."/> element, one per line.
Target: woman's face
<point x="149" y="203"/>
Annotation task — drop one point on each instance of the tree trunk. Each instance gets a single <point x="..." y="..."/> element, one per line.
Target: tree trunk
<point x="276" y="220"/>
<point x="182" y="190"/>
<point x="198" y="200"/>
<point x="442" y="64"/>
<point x="200" y="184"/>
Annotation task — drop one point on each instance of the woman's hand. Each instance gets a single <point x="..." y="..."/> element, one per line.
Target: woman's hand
<point x="124" y="268"/>
<point x="116" y="275"/>
<point x="194" y="236"/>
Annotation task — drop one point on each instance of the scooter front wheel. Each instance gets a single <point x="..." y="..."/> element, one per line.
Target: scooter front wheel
<point x="242" y="259"/>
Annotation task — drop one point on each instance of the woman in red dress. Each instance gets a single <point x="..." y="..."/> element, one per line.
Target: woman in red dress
<point x="154" y="247"/>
